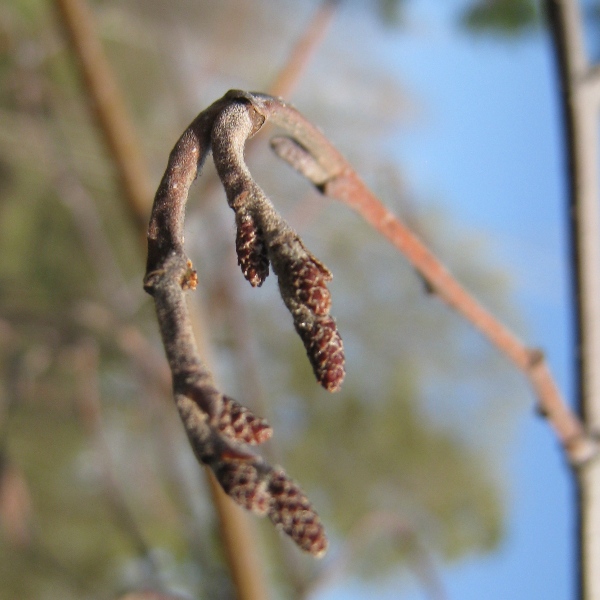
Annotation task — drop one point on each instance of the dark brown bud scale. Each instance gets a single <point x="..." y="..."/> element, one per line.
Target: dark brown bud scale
<point x="292" y="512"/>
<point x="238" y="423"/>
<point x="325" y="350"/>
<point x="245" y="485"/>
<point x="251" y="250"/>
<point x="309" y="282"/>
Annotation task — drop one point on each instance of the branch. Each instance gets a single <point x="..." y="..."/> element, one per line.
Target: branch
<point x="219" y="429"/>
<point x="264" y="238"/>
<point x="579" y="87"/>
<point x="109" y="106"/>
<point x="312" y="155"/>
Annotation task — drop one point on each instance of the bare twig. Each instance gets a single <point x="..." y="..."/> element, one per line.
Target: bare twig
<point x="580" y="101"/>
<point x="219" y="429"/>
<point x="109" y="106"/>
<point x="263" y="238"/>
<point x="311" y="154"/>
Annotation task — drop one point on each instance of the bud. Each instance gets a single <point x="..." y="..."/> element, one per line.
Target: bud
<point x="244" y="484"/>
<point x="303" y="286"/>
<point x="325" y="350"/>
<point x="238" y="423"/>
<point x="292" y="512"/>
<point x="251" y="250"/>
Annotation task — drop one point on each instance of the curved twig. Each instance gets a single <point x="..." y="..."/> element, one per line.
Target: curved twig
<point x="219" y="429"/>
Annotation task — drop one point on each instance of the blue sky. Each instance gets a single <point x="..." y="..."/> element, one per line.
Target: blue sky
<point x="489" y="149"/>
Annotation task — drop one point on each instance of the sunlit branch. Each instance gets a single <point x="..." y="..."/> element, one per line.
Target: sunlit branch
<point x="263" y="240"/>
<point x="309" y="152"/>
<point x="579" y="87"/>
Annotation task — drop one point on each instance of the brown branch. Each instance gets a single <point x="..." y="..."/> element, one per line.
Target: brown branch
<point x="304" y="49"/>
<point x="312" y="155"/>
<point x="109" y="106"/>
<point x="264" y="239"/>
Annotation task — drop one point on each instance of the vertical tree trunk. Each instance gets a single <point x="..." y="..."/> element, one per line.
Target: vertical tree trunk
<point x="579" y="90"/>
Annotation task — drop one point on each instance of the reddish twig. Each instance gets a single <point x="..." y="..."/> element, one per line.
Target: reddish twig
<point x="303" y="50"/>
<point x="310" y="153"/>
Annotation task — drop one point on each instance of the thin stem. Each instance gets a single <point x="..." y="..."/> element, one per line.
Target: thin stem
<point x="579" y="97"/>
<point x="109" y="106"/>
<point x="309" y="152"/>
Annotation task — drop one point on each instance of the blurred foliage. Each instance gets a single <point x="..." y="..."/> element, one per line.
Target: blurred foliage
<point x="505" y="16"/>
<point x="91" y="479"/>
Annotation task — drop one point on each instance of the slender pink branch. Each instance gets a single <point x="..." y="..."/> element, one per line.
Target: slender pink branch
<point x="304" y="48"/>
<point x="309" y="152"/>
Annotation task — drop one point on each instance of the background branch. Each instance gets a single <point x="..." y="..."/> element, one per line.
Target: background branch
<point x="116" y="127"/>
<point x="579" y="96"/>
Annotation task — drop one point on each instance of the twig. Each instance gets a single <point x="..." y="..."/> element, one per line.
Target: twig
<point x="313" y="156"/>
<point x="219" y="428"/>
<point x="109" y="105"/>
<point x="264" y="239"/>
<point x="304" y="48"/>
<point x="579" y="88"/>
